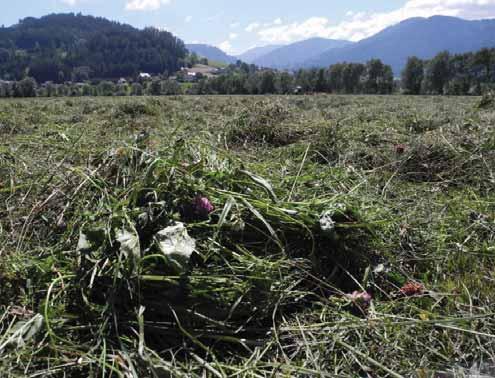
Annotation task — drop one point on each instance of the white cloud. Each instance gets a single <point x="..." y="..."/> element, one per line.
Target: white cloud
<point x="252" y="27"/>
<point x="166" y="28"/>
<point x="312" y="27"/>
<point x="188" y="19"/>
<point x="143" y="5"/>
<point x="234" y="25"/>
<point x="226" y="46"/>
<point x="362" y="25"/>
<point x="233" y="36"/>
<point x="216" y="17"/>
<point x="70" y="2"/>
<point x="277" y="21"/>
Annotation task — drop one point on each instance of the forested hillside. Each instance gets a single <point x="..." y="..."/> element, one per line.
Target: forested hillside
<point x="63" y="47"/>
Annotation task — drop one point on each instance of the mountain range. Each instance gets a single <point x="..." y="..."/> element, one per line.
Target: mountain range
<point x="251" y="55"/>
<point x="296" y="54"/>
<point x="211" y="53"/>
<point x="421" y="37"/>
<point x="61" y="47"/>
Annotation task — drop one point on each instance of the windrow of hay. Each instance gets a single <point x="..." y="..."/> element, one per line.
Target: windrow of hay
<point x="487" y="101"/>
<point x="262" y="123"/>
<point x="453" y="154"/>
<point x="188" y="248"/>
<point x="135" y="109"/>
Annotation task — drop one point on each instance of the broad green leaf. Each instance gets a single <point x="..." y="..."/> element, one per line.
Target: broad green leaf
<point x="176" y="244"/>
<point x="22" y="332"/>
<point x="263" y="183"/>
<point x="129" y="243"/>
<point x="90" y="239"/>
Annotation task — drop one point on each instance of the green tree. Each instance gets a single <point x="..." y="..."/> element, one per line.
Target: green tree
<point x="284" y="83"/>
<point x="62" y="90"/>
<point x="4" y="55"/>
<point x="374" y="74"/>
<point x="170" y="87"/>
<point x="51" y="89"/>
<point x="267" y="82"/>
<point x="352" y="77"/>
<point x="412" y="76"/>
<point x="387" y="82"/>
<point x="4" y="89"/>
<point x="438" y="73"/>
<point x="321" y="81"/>
<point x="87" y="90"/>
<point x="336" y="77"/>
<point x="25" y="88"/>
<point x="136" y="89"/>
<point x="485" y="58"/>
<point x="155" y="87"/>
<point x="106" y="88"/>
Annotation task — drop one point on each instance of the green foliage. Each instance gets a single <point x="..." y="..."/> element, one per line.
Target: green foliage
<point x="61" y="47"/>
<point x="372" y="78"/>
<point x="460" y="74"/>
<point x="438" y="73"/>
<point x="106" y="88"/>
<point x="412" y="76"/>
<point x="25" y="88"/>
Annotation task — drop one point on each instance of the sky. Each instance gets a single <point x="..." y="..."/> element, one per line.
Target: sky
<point x="235" y="26"/>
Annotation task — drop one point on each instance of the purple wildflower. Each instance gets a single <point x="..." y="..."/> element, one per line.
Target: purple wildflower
<point x="360" y="298"/>
<point x="203" y="206"/>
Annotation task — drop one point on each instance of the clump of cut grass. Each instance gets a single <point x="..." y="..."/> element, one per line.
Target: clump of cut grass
<point x="487" y="101"/>
<point x="6" y="127"/>
<point x="252" y="255"/>
<point x="454" y="154"/>
<point x="418" y="125"/>
<point x="330" y="144"/>
<point x="451" y="157"/>
<point x="430" y="163"/>
<point x="261" y="123"/>
<point x="135" y="109"/>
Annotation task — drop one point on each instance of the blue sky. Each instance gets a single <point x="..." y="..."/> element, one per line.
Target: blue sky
<point x="236" y="28"/>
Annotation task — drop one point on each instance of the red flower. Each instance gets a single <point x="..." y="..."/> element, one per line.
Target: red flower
<point x="400" y="149"/>
<point x="360" y="298"/>
<point x="203" y="206"/>
<point x="411" y="289"/>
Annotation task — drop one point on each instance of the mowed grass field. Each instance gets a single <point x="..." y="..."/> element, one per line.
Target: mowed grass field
<point x="349" y="236"/>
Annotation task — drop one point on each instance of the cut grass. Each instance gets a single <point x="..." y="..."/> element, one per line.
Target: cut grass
<point x="265" y="293"/>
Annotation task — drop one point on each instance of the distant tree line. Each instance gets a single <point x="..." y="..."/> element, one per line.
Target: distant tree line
<point x="241" y="78"/>
<point x="29" y="88"/>
<point x="460" y="74"/>
<point x="374" y="77"/>
<point x="68" y="47"/>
